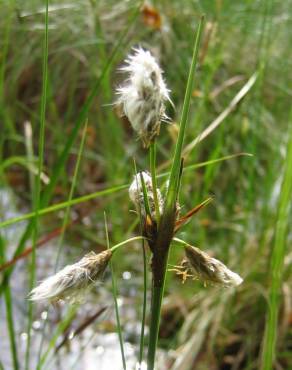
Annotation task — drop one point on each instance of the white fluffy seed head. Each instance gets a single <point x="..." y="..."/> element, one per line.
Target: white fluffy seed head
<point x="142" y="98"/>
<point x="71" y="281"/>
<point x="210" y="269"/>
<point x="137" y="196"/>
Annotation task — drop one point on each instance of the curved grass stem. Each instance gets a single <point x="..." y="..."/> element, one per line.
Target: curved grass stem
<point x="115" y="247"/>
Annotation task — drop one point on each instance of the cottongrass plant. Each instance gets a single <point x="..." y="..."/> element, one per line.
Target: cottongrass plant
<point x="142" y="100"/>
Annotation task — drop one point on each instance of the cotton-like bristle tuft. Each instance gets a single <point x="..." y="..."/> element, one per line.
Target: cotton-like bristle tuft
<point x="71" y="281"/>
<point x="142" y="98"/>
<point x="137" y="197"/>
<point x="210" y="269"/>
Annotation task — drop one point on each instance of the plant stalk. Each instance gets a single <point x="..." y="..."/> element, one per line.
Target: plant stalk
<point x="167" y="221"/>
<point x="115" y="293"/>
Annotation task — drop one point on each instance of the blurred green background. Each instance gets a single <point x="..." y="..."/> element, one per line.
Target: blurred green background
<point x="202" y="327"/>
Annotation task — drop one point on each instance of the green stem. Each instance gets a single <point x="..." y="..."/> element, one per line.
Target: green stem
<point x="115" y="247"/>
<point x="181" y="242"/>
<point x="167" y="222"/>
<point x="10" y="321"/>
<point x="114" y="289"/>
<point x="141" y="349"/>
<point x="154" y="182"/>
<point x="156" y="302"/>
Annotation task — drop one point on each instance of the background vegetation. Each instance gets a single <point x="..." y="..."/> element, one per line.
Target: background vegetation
<point x="65" y="124"/>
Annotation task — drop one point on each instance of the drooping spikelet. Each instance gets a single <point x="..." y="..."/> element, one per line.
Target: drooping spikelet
<point x="137" y="197"/>
<point x="142" y="98"/>
<point x="71" y="281"/>
<point x="210" y="269"/>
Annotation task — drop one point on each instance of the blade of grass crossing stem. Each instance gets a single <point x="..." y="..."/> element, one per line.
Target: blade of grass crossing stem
<point x="60" y="162"/>
<point x="86" y="198"/>
<point x="62" y="205"/>
<point x="114" y="288"/>
<point x="37" y="188"/>
<point x="65" y="222"/>
<point x="9" y="313"/>
<point x="277" y="261"/>
<point x="175" y="168"/>
<point x="142" y="332"/>
<point x="167" y="220"/>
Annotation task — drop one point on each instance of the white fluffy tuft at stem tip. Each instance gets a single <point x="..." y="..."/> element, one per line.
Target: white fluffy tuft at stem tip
<point x="210" y="269"/>
<point x="72" y="280"/>
<point x="142" y="97"/>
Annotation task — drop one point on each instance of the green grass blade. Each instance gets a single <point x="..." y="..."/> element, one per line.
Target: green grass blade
<point x="213" y="161"/>
<point x="130" y="240"/>
<point x="9" y="313"/>
<point x="5" y="39"/>
<point x="175" y="168"/>
<point x="37" y="187"/>
<point x="112" y="190"/>
<point x="114" y="289"/>
<point x="223" y="115"/>
<point x="62" y="205"/>
<point x="277" y="261"/>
